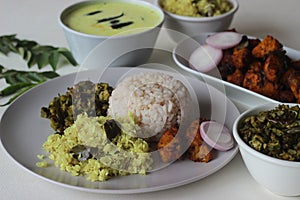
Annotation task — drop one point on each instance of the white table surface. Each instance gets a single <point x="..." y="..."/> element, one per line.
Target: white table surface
<point x="38" y="20"/>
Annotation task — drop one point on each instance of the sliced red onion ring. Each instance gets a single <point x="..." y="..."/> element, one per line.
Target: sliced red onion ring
<point x="216" y="135"/>
<point x="205" y="58"/>
<point x="224" y="40"/>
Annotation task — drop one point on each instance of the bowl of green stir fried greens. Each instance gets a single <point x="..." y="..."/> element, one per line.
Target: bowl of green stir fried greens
<point x="269" y="142"/>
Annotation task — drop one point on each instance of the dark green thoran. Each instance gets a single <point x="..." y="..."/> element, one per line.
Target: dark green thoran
<point x="275" y="132"/>
<point x="85" y="96"/>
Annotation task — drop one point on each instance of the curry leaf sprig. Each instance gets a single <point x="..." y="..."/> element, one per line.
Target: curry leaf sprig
<point x="21" y="81"/>
<point x="34" y="53"/>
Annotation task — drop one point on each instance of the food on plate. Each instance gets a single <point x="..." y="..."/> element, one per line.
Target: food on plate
<point x="260" y="65"/>
<point x="156" y="100"/>
<point x="85" y="149"/>
<point x="111" y="18"/>
<point x="292" y="78"/>
<point x="84" y="96"/>
<point x="274" y="132"/>
<point x="198" y="150"/>
<point x="171" y="145"/>
<point x="196" y="8"/>
<point x="216" y="135"/>
<point x="224" y="40"/>
<point x="205" y="58"/>
<point x="102" y="132"/>
<point x="266" y="46"/>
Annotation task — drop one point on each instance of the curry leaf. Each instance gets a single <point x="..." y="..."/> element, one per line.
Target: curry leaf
<point x="34" y="53"/>
<point x="7" y="44"/>
<point x="42" y="60"/>
<point x="12" y="76"/>
<point x="11" y="89"/>
<point x="68" y="55"/>
<point x="21" y="81"/>
<point x="19" y="92"/>
<point x="53" y="59"/>
<point x="49" y="74"/>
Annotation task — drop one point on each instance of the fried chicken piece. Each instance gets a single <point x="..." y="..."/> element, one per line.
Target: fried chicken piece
<point x="227" y="56"/>
<point x="266" y="46"/>
<point x="270" y="89"/>
<point x="236" y="78"/>
<point x="285" y="76"/>
<point x="286" y="96"/>
<point x="273" y="68"/>
<point x="253" y="43"/>
<point x="255" y="81"/>
<point x="254" y="78"/>
<point x="225" y="66"/>
<point x="294" y="82"/>
<point x="198" y="150"/>
<point x="296" y="64"/>
<point x="169" y="146"/>
<point x="192" y="133"/>
<point x="225" y="70"/>
<point x="241" y="57"/>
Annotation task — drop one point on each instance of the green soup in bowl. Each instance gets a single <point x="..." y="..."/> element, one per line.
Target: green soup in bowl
<point x="127" y="28"/>
<point x="111" y="18"/>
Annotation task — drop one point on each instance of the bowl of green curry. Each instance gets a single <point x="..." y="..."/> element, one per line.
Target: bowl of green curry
<point x="126" y="30"/>
<point x="269" y="142"/>
<point x="192" y="17"/>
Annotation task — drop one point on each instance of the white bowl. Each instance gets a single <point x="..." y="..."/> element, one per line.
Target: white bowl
<point x="195" y="25"/>
<point x="132" y="49"/>
<point x="278" y="176"/>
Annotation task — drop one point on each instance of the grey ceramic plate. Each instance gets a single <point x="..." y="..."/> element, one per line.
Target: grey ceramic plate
<point x="23" y="131"/>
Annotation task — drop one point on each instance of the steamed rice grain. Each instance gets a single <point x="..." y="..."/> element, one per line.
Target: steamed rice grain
<point x="156" y="101"/>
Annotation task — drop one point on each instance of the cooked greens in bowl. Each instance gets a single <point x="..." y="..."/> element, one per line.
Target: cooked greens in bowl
<point x="268" y="138"/>
<point x="274" y="132"/>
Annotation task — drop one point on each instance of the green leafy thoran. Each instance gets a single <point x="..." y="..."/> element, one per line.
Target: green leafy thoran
<point x="34" y="53"/>
<point x="274" y="132"/>
<point x="83" y="97"/>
